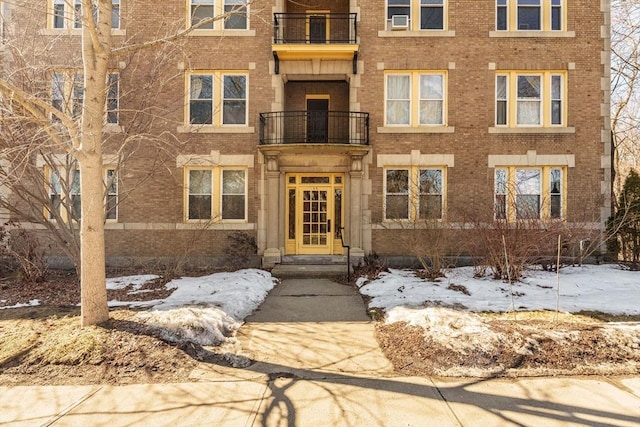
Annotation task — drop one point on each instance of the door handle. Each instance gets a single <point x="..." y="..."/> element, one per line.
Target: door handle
<point x="328" y="226"/>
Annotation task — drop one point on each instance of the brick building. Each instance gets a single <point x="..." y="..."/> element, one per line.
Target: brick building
<point x="344" y="122"/>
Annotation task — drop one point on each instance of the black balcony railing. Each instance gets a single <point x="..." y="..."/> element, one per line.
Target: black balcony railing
<point x="321" y="28"/>
<point x="314" y="127"/>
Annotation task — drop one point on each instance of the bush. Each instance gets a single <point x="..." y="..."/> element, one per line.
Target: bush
<point x="241" y="248"/>
<point x="25" y="250"/>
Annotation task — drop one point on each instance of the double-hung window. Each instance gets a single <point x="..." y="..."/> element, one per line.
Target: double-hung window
<point x="113" y="98"/>
<point x="414" y="193"/>
<point x="67" y="93"/>
<point x="415" y="99"/>
<point x="233" y="14"/>
<point x="526" y="99"/>
<point x="66" y="14"/>
<point x="218" y="99"/>
<point x="64" y="194"/>
<point x="529" y="193"/>
<point x="216" y="194"/>
<point x="416" y="15"/>
<point x="111" y="202"/>
<point x="530" y="15"/>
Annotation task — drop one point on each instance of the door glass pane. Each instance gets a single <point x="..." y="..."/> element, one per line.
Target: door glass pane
<point x="292" y="213"/>
<point x="337" y="213"/>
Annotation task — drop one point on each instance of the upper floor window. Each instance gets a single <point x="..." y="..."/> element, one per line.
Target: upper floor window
<point x="68" y="14"/>
<point x="218" y="99"/>
<point x="531" y="99"/>
<point x="113" y="98"/>
<point x="416" y="15"/>
<point x="233" y="12"/>
<point x="216" y="194"/>
<point x="529" y="193"/>
<point x="530" y="15"/>
<point x="415" y="99"/>
<point x="414" y="193"/>
<point x="67" y="93"/>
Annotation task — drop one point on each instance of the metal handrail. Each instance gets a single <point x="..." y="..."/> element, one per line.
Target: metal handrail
<point x="348" y="247"/>
<point x="320" y="28"/>
<point x="314" y="127"/>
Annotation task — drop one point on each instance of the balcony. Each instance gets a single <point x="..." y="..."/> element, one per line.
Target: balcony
<point x="314" y="127"/>
<point x="316" y="35"/>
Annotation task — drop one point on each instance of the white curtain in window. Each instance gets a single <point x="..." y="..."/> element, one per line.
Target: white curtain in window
<point x="529" y="100"/>
<point x="398" y="100"/>
<point x="431" y="100"/>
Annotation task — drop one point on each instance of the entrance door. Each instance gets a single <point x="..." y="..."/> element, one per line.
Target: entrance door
<point x="317" y="119"/>
<point x="317" y="29"/>
<point x="314" y="214"/>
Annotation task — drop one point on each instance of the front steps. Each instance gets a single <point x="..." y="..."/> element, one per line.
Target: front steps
<point x="311" y="266"/>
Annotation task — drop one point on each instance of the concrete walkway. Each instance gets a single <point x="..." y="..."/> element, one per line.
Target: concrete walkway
<point x="316" y="363"/>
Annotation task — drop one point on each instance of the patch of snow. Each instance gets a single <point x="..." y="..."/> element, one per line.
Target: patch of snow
<point x="32" y="303"/>
<point x="136" y="281"/>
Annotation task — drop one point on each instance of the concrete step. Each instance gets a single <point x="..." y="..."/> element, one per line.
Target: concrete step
<point x="301" y="271"/>
<point x="314" y="259"/>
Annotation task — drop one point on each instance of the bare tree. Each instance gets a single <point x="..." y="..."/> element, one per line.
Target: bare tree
<point x="41" y="130"/>
<point x="625" y="87"/>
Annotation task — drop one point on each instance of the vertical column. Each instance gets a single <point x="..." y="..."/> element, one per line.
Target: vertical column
<point x="272" y="255"/>
<point x="355" y="206"/>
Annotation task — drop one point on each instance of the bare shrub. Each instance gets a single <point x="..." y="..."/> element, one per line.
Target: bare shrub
<point x="240" y="249"/>
<point x="24" y="249"/>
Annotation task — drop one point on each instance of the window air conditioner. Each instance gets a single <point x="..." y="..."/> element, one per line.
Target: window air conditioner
<point x="400" y="22"/>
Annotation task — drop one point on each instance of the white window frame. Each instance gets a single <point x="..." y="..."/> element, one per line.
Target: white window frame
<point x="71" y="181"/>
<point x="111" y="194"/>
<point x="219" y="8"/>
<point x="546" y="11"/>
<point x="217" y="194"/>
<point x="113" y="99"/>
<point x="415" y="98"/>
<point x="506" y="197"/>
<point x="217" y="99"/>
<point x="67" y="92"/>
<point x="414" y="14"/>
<point x="546" y="100"/>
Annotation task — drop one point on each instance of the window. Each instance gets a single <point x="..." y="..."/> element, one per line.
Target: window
<point x="234" y="13"/>
<point x="204" y="203"/>
<point x="68" y="14"/>
<point x="530" y="99"/>
<point x="113" y="98"/>
<point x="225" y="106"/>
<point x="64" y="194"/>
<point x="111" y="205"/>
<point x="529" y="193"/>
<point x="115" y="14"/>
<point x="420" y="15"/>
<point x="530" y="15"/>
<point x="415" y="99"/>
<point x="67" y="93"/>
<point x="414" y="193"/>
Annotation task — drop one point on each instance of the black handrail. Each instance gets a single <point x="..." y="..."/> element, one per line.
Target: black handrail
<point x="348" y="248"/>
<point x="313" y="27"/>
<point x="314" y="127"/>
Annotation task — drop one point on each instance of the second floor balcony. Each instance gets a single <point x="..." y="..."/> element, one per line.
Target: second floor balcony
<point x="314" y="127"/>
<point x="315" y="35"/>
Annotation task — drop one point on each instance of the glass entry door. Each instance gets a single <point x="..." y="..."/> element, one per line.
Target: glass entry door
<point x="314" y="214"/>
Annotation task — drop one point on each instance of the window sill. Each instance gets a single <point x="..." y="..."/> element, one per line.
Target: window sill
<point x="213" y="129"/>
<point x="76" y="31"/>
<point x="112" y="128"/>
<point x="220" y="33"/>
<point x="204" y="225"/>
<point x="421" y="33"/>
<point x="543" y="130"/>
<point x="421" y="129"/>
<point x="525" y="34"/>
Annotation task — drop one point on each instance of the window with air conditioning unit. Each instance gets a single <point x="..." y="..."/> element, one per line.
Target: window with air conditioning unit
<point x="400" y="22"/>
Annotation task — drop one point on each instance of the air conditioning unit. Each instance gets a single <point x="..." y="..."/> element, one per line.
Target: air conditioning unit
<point x="400" y="22"/>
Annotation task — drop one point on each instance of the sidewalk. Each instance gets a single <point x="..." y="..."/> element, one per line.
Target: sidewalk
<point x="317" y="364"/>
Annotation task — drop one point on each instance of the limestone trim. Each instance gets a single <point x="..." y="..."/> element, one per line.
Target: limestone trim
<point x="215" y="159"/>
<point x="416" y="158"/>
<point x="532" y="158"/>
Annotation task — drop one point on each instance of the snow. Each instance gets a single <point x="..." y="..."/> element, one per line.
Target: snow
<point x="136" y="281"/>
<point x="31" y="303"/>
<point x="605" y="288"/>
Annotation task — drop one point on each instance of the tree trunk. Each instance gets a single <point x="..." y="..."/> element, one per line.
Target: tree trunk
<point x="96" y="49"/>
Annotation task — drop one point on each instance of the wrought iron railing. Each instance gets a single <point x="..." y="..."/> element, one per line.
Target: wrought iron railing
<point x="314" y="127"/>
<point x="320" y="28"/>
